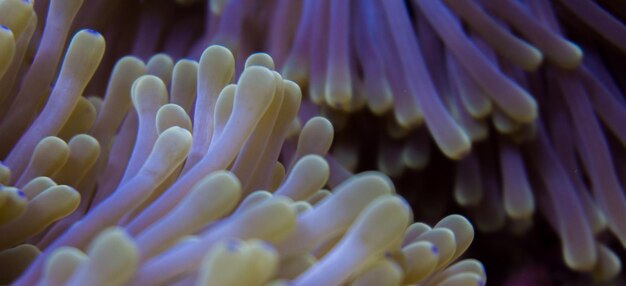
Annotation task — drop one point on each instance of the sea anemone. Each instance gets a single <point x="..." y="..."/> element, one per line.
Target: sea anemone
<point x="149" y="196"/>
<point x="523" y="100"/>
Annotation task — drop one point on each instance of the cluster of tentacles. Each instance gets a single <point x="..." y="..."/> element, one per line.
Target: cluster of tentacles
<point x="514" y="110"/>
